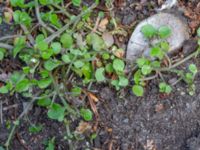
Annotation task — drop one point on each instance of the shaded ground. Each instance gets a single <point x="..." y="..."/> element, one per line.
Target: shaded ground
<point x="154" y="122"/>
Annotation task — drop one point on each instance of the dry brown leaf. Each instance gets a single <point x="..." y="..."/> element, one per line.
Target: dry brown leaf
<point x="83" y="127"/>
<point x="108" y="39"/>
<point x="119" y="53"/>
<point x="102" y="25"/>
<point x="93" y="97"/>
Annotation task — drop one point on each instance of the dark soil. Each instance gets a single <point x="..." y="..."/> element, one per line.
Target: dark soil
<point x="153" y="122"/>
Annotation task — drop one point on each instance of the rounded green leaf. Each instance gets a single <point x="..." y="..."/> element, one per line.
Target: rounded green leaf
<point x="51" y="64"/>
<point x="146" y="69"/>
<point x="148" y="31"/>
<point x="138" y="90"/>
<point x="123" y="81"/>
<point x="76" y="2"/>
<point x="22" y="86"/>
<point x="44" y="83"/>
<point x="56" y="112"/>
<point x="193" y="68"/>
<point x="86" y="114"/>
<point x="76" y="91"/>
<point x="56" y="46"/>
<point x="3" y="90"/>
<point x="99" y="74"/>
<point x="66" y="40"/>
<point x="44" y="102"/>
<point x="164" y="32"/>
<point x="118" y="65"/>
<point x="66" y="58"/>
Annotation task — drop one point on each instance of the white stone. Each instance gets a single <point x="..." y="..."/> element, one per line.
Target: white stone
<point x="138" y="45"/>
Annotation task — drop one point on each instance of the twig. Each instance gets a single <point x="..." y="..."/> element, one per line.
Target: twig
<point x="29" y="36"/>
<point x="60" y="31"/>
<point x="62" y="10"/>
<point x="9" y="107"/>
<point x="180" y="62"/>
<point x="150" y="78"/>
<point x="6" y="46"/>
<point x="37" y="11"/>
<point x="9" y="37"/>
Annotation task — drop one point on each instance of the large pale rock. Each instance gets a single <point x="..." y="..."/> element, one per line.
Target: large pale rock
<point x="138" y="45"/>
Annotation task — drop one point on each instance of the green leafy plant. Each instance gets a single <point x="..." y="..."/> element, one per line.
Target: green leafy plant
<point x="153" y="66"/>
<point x="86" y="114"/>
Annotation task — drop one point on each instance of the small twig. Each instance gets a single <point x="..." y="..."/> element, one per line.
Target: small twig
<point x="62" y="10"/>
<point x="6" y="46"/>
<point x="29" y="36"/>
<point x="37" y="11"/>
<point x="180" y="62"/>
<point x="150" y="78"/>
<point x="169" y="60"/>
<point x="8" y="37"/>
<point x="64" y="28"/>
<point x="161" y="76"/>
<point x="10" y="107"/>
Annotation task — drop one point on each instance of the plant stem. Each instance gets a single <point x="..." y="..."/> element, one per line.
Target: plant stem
<point x="64" y="28"/>
<point x="179" y="63"/>
<point x="6" y="46"/>
<point x="37" y="11"/>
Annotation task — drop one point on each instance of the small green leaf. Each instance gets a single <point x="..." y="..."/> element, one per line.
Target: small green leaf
<point x="66" y="58"/>
<point x="193" y="68"/>
<point x="56" y="46"/>
<point x="164" y="32"/>
<point x="157" y="52"/>
<point x="42" y="45"/>
<point x="51" y="64"/>
<point x="76" y="91"/>
<point x="142" y="61"/>
<point x="76" y="2"/>
<point x="86" y="114"/>
<point x="78" y="64"/>
<point x="165" y="88"/>
<point x="138" y="90"/>
<point x="118" y="65"/>
<point x="146" y="69"/>
<point x="123" y="81"/>
<point x="44" y="102"/>
<point x="148" y="31"/>
<point x="35" y="128"/>
<point x="109" y="68"/>
<point x="67" y="40"/>
<point x="99" y="74"/>
<point x="44" y="83"/>
<point x="56" y="112"/>
<point x="3" y="90"/>
<point x="22" y="86"/>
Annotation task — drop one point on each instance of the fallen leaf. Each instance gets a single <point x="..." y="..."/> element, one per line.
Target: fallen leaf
<point x="108" y="39"/>
<point x="102" y="25"/>
<point x="119" y="53"/>
<point x="93" y="97"/>
<point x="83" y="127"/>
